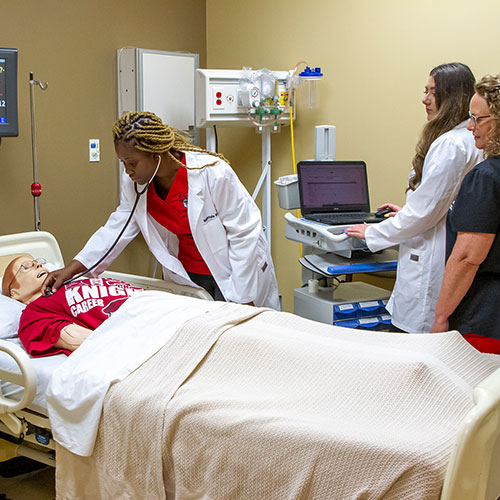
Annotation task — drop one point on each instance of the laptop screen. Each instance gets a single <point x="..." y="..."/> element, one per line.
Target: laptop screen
<point x="333" y="186"/>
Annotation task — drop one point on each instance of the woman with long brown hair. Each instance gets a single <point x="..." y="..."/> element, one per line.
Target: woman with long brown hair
<point x="445" y="152"/>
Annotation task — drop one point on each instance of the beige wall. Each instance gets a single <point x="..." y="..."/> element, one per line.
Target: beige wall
<point x="375" y="54"/>
<point x="73" y="45"/>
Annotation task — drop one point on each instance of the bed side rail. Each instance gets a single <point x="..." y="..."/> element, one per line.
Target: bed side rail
<point x="471" y="473"/>
<point x="158" y="284"/>
<point x="26" y="379"/>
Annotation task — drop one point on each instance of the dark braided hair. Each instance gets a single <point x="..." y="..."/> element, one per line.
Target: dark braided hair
<point x="151" y="135"/>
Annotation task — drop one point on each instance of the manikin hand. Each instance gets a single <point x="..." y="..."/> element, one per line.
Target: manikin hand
<point x="72" y="337"/>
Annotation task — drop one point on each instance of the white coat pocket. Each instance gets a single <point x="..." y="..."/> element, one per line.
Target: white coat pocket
<point x="262" y="257"/>
<point x="215" y="235"/>
<point x="409" y="273"/>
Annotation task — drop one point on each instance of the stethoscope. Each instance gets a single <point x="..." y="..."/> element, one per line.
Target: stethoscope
<point x="137" y="196"/>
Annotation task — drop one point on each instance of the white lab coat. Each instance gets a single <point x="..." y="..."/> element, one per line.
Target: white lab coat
<point x="420" y="230"/>
<point x="226" y="226"/>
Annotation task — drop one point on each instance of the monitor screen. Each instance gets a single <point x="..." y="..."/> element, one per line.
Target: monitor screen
<point x="333" y="185"/>
<point x="8" y="93"/>
<point x="3" y="103"/>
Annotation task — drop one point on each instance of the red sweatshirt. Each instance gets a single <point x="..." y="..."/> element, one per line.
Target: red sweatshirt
<point x="86" y="302"/>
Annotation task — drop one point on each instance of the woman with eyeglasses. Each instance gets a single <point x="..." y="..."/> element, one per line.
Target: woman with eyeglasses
<point x="445" y="152"/>
<point x="468" y="301"/>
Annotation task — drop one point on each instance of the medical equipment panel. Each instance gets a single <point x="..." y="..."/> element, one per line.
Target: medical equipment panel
<point x="355" y="310"/>
<point x="321" y="236"/>
<point x="375" y="323"/>
<point x="241" y="97"/>
<point x="364" y="308"/>
<point x="8" y="93"/>
<point x="330" y="264"/>
<point x="355" y="304"/>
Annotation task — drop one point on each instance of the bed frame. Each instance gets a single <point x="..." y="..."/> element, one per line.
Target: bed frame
<point x="24" y="431"/>
<point x="470" y="473"/>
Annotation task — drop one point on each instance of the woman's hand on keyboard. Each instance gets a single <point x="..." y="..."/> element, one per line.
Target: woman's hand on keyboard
<point x="358" y="230"/>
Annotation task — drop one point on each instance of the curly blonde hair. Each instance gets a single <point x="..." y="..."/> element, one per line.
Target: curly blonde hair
<point x="151" y="135"/>
<point x="489" y="89"/>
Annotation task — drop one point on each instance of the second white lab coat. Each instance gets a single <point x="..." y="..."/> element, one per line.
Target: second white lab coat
<point x="226" y="226"/>
<point x="420" y="230"/>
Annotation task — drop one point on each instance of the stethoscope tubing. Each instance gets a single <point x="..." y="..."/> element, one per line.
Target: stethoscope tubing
<point x="138" y="195"/>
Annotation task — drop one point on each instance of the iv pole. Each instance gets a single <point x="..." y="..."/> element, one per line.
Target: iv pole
<point x="36" y="188"/>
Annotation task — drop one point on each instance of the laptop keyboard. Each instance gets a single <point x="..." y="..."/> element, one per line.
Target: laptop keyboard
<point x="351" y="218"/>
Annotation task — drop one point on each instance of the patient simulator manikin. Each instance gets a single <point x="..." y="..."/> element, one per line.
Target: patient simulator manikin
<point x="62" y="321"/>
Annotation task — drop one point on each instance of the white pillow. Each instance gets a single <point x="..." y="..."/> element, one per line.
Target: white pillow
<point x="10" y="313"/>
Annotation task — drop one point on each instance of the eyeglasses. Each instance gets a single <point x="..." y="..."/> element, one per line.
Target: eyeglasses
<point x="26" y="266"/>
<point x="476" y="119"/>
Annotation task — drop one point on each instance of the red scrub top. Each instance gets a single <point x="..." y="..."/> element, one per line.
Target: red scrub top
<point x="172" y="214"/>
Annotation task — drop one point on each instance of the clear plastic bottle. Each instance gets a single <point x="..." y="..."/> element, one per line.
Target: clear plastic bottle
<point x="308" y="82"/>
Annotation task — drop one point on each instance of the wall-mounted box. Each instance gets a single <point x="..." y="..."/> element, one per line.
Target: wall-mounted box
<point x="161" y="82"/>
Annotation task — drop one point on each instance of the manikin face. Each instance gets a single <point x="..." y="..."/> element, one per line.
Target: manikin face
<point x="480" y="122"/>
<point x="29" y="275"/>
<point x="429" y="100"/>
<point x="139" y="165"/>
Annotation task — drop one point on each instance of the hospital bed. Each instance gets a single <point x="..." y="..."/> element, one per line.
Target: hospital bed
<point x="471" y="466"/>
<point x="24" y="425"/>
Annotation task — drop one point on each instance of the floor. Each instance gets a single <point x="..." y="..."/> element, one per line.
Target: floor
<point x="37" y="485"/>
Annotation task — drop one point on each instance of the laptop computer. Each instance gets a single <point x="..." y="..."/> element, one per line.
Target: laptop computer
<point x="335" y="192"/>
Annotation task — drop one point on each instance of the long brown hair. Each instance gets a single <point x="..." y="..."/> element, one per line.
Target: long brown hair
<point x="454" y="89"/>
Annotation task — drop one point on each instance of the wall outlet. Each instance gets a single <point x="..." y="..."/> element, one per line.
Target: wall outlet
<point x="94" y="150"/>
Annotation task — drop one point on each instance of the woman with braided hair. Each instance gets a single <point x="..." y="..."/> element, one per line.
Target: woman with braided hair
<point x="197" y="218"/>
<point x="468" y="301"/>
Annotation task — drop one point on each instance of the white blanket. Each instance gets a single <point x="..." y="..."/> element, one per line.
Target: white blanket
<point x="120" y="345"/>
<point x="281" y="407"/>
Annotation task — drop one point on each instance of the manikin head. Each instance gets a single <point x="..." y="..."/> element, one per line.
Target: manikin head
<point x="23" y="279"/>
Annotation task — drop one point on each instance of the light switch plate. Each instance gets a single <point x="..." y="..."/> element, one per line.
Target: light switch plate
<point x="94" y="150"/>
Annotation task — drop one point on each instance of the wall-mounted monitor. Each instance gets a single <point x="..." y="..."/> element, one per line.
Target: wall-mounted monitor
<point x="8" y="93"/>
